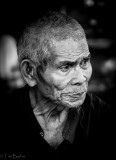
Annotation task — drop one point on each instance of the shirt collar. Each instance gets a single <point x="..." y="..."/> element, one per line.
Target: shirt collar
<point x="85" y="113"/>
<point x="71" y="125"/>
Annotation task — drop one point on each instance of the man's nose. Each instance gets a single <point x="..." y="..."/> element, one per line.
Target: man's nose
<point x="78" y="77"/>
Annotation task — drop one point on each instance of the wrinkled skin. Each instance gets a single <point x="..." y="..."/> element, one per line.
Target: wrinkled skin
<point x="66" y="80"/>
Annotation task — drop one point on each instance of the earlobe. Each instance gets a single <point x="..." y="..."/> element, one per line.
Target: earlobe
<point x="28" y="70"/>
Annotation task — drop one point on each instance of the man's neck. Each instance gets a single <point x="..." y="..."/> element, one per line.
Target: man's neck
<point x="50" y="116"/>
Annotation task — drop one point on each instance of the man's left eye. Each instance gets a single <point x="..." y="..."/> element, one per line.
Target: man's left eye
<point x="85" y="62"/>
<point x="64" y="68"/>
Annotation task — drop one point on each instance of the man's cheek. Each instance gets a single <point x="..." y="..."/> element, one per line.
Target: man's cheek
<point x="60" y="85"/>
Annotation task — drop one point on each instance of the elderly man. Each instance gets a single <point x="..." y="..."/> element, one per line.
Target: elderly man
<point x="55" y="116"/>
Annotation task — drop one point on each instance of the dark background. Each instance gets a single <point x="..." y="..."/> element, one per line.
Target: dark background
<point x="98" y="19"/>
<point x="15" y="15"/>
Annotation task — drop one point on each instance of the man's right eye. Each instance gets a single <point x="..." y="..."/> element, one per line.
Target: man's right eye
<point x="64" y="68"/>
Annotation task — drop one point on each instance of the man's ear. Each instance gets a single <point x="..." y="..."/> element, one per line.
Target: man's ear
<point x="28" y="69"/>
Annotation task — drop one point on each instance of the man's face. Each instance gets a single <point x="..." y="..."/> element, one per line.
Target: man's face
<point x="65" y="81"/>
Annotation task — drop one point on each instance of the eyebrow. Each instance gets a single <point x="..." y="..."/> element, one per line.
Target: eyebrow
<point x="87" y="57"/>
<point x="63" y="63"/>
<point x="71" y="63"/>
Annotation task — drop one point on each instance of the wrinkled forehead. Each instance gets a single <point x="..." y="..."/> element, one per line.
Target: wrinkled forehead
<point x="70" y="49"/>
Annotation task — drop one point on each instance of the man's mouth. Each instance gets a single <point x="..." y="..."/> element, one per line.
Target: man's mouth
<point x="74" y="96"/>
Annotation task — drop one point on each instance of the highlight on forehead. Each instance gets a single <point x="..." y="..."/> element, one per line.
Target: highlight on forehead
<point x="70" y="46"/>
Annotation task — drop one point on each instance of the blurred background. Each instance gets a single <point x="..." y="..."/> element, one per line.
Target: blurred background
<point x="97" y="18"/>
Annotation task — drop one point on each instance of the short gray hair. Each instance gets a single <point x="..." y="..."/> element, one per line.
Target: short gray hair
<point x="36" y="41"/>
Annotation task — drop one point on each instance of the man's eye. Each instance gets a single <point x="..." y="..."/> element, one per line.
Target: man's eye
<point x="64" y="68"/>
<point x="85" y="63"/>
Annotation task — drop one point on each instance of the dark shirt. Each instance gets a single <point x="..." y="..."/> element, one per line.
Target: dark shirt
<point x="88" y="134"/>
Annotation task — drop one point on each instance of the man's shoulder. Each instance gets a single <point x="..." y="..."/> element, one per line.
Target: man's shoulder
<point x="15" y="102"/>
